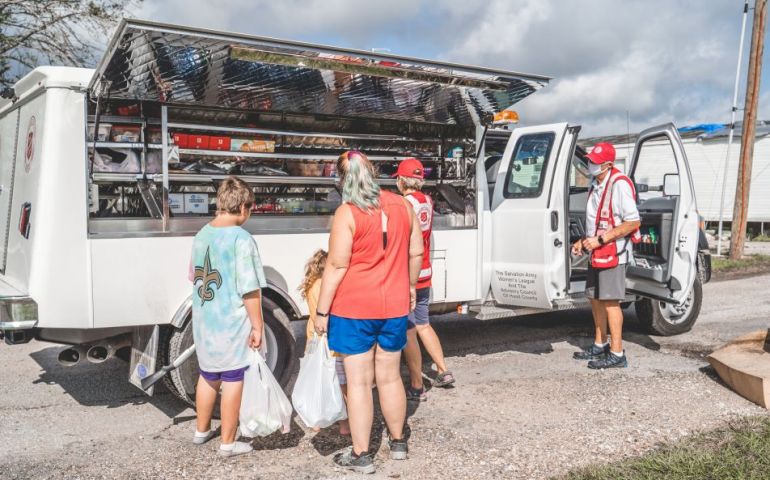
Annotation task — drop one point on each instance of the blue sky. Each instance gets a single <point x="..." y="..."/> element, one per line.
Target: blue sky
<point x="658" y="60"/>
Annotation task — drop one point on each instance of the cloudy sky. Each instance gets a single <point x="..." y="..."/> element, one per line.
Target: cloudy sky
<point x="658" y="60"/>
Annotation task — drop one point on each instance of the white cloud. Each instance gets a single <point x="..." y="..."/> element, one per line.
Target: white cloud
<point x="657" y="59"/>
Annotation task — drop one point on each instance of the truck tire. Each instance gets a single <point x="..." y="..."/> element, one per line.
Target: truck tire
<point x="279" y="342"/>
<point x="658" y="318"/>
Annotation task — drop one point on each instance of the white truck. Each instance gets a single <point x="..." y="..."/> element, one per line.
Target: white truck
<point x="106" y="175"/>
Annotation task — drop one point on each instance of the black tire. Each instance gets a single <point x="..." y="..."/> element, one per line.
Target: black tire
<point x="659" y="319"/>
<point x="181" y="382"/>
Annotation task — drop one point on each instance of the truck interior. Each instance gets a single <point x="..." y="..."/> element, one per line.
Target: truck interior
<point x="656" y="177"/>
<point x="172" y="111"/>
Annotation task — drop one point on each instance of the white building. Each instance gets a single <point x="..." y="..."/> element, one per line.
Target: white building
<point x="706" y="147"/>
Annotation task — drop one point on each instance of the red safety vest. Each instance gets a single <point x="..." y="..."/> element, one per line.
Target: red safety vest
<point x="423" y="208"/>
<point x="606" y="256"/>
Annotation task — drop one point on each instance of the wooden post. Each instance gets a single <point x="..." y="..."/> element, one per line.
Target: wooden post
<point x="741" y="207"/>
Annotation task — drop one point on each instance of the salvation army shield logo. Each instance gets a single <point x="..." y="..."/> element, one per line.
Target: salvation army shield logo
<point x="29" y="148"/>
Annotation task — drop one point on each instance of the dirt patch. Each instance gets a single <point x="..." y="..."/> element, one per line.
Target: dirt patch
<point x="720" y="276"/>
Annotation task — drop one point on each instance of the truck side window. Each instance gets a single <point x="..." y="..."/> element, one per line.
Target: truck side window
<point x="656" y="159"/>
<point x="526" y="171"/>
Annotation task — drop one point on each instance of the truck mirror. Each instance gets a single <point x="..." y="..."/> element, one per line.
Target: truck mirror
<point x="642" y="188"/>
<point x="671" y="185"/>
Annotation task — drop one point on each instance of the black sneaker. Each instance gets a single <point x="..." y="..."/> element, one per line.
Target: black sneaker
<point x="398" y="449"/>
<point x="592" y="353"/>
<point x="609" y="361"/>
<point x="358" y="463"/>
<point x="416" y="395"/>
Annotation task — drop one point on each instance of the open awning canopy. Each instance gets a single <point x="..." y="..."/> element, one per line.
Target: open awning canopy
<point x="197" y="67"/>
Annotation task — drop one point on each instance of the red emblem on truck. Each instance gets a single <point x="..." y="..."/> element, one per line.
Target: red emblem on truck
<point x="29" y="150"/>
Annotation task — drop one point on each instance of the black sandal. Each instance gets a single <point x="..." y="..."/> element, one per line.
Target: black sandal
<point x="444" y="379"/>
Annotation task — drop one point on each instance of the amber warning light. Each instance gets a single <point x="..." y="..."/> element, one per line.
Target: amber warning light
<point x="506" y="116"/>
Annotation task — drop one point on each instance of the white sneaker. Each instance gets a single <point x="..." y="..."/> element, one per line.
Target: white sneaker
<point x="233" y="449"/>
<point x="202" y="437"/>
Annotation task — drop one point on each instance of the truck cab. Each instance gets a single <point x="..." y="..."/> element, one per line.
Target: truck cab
<point x="533" y="192"/>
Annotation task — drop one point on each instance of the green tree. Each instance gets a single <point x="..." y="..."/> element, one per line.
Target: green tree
<point x="54" y="32"/>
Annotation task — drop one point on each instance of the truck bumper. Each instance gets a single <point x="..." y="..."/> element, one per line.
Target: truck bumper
<point x="18" y="315"/>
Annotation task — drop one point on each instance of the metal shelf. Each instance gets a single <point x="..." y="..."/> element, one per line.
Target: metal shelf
<point x="110" y="177"/>
<point x="132" y="145"/>
<point x="276" y="179"/>
<point x="290" y="156"/>
<point x="113" y="177"/>
<point x="262" y="131"/>
<point x="124" y="120"/>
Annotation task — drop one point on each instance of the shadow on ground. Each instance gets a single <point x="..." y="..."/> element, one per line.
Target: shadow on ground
<point x="100" y="385"/>
<point x="532" y="334"/>
<point x="107" y="384"/>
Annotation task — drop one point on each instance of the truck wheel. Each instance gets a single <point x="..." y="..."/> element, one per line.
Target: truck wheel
<point x="278" y="341"/>
<point x="659" y="318"/>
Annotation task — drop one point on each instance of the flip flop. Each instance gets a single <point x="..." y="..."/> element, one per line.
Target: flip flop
<point x="444" y="379"/>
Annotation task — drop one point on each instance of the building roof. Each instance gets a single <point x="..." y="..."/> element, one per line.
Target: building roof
<point x="703" y="131"/>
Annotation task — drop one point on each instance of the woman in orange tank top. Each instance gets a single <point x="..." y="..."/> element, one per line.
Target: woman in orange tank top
<point x="367" y="292"/>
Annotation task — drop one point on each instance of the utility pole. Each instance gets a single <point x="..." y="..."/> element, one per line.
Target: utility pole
<point x="741" y="208"/>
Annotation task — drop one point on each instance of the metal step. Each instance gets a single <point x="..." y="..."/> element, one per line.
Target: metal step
<point x="494" y="312"/>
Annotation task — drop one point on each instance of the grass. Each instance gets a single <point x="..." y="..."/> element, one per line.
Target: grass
<point x="761" y="238"/>
<point x="724" y="265"/>
<point x="739" y="451"/>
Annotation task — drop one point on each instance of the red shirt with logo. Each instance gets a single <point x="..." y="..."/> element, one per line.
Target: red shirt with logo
<point x="423" y="208"/>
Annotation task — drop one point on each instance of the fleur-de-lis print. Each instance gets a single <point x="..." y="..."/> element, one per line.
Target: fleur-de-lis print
<point x="207" y="276"/>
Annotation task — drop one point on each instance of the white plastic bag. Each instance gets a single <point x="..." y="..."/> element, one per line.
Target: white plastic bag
<point x="317" y="396"/>
<point x="264" y="406"/>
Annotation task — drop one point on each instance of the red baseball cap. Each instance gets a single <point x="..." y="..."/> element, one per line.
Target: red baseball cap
<point x="602" y="153"/>
<point x="410" y="168"/>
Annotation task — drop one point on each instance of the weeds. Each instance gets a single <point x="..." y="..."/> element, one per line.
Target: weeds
<point x="723" y="265"/>
<point x="741" y="450"/>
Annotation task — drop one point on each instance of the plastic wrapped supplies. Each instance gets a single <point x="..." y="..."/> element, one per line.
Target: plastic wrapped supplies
<point x="104" y="162"/>
<point x="264" y="407"/>
<point x="317" y="396"/>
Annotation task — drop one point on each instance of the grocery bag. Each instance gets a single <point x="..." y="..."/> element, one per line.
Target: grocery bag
<point x="264" y="406"/>
<point x="317" y="396"/>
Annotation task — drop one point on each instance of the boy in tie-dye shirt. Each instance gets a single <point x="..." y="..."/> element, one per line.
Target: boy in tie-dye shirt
<point x="227" y="277"/>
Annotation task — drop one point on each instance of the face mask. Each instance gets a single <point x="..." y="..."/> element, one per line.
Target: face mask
<point x="594" y="169"/>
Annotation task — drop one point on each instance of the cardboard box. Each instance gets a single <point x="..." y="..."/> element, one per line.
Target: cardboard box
<point x="252" y="145"/>
<point x="125" y="133"/>
<point x="196" y="203"/>
<point x="182" y="140"/>
<point x="199" y="141"/>
<point x="219" y="143"/>
<point x="176" y="202"/>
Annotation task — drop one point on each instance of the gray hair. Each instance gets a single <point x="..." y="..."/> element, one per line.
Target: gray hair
<point x="409" y="183"/>
<point x="359" y="182"/>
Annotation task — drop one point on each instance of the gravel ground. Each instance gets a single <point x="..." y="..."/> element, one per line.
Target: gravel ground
<point x="522" y="408"/>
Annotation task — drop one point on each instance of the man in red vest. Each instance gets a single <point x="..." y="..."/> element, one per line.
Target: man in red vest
<point x="411" y="175"/>
<point x="612" y="226"/>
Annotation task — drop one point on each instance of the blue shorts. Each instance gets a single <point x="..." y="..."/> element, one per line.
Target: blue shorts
<point x="226" y="376"/>
<point x="420" y="315"/>
<point x="351" y="336"/>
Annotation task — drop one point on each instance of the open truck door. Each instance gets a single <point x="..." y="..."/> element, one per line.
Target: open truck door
<point x="528" y="239"/>
<point x="665" y="270"/>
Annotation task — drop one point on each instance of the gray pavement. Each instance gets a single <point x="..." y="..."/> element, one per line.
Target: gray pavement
<point x="522" y="408"/>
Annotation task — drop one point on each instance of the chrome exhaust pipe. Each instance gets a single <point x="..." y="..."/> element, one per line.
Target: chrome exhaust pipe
<point x="104" y="350"/>
<point x="69" y="357"/>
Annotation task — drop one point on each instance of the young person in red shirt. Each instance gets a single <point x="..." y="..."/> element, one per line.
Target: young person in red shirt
<point x="411" y="175"/>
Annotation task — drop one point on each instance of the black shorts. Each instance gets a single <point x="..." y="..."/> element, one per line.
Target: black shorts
<point x="606" y="283"/>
